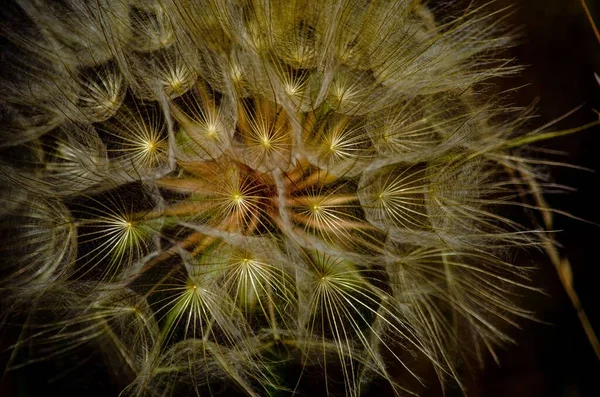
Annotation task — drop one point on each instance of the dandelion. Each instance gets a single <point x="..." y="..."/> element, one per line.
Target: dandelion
<point x="258" y="197"/>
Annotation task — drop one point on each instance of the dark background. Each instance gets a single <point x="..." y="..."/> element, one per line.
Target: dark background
<point x="561" y="54"/>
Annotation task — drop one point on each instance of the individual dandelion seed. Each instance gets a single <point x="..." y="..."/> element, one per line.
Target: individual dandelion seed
<point x="355" y="92"/>
<point x="112" y="232"/>
<point x="293" y="85"/>
<point x="336" y="142"/>
<point x="257" y="277"/>
<point x="293" y="36"/>
<point x="137" y="142"/>
<point x="263" y="197"/>
<point x="465" y="196"/>
<point x="151" y="27"/>
<point x="195" y="306"/>
<point x="334" y="216"/>
<point x="236" y="71"/>
<point x="102" y="92"/>
<point x="39" y="238"/>
<point x="162" y="72"/>
<point x="206" y="124"/>
<point x="265" y="136"/>
<point x="406" y="131"/>
<point x="129" y="327"/>
<point x="395" y="197"/>
<point x="76" y="161"/>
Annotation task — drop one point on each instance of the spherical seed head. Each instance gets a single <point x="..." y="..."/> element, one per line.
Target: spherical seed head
<point x="272" y="183"/>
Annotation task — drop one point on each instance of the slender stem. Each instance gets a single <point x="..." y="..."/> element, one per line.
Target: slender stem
<point x="271" y="308"/>
<point x="588" y="14"/>
<point x="319" y="176"/>
<point x="333" y="226"/>
<point x="295" y="175"/>
<point x="323" y="201"/>
<point x="562" y="265"/>
<point x="180" y="209"/>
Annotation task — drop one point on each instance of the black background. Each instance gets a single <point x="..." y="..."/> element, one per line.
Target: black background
<point x="558" y="47"/>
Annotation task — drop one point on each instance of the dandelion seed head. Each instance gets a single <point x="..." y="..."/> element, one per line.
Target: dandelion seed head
<point x="232" y="186"/>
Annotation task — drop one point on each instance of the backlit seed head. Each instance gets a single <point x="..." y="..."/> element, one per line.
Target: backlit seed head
<point x="38" y="243"/>
<point x="221" y="193"/>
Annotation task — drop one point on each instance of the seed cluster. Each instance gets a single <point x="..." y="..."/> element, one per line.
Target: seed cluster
<point x="217" y="192"/>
